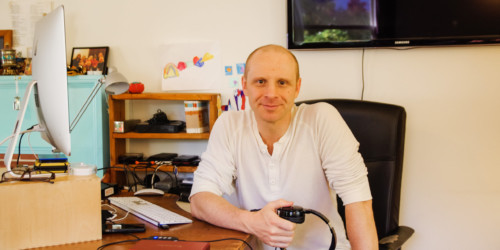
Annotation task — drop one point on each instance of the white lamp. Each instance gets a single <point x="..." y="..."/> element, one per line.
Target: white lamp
<point x="115" y="84"/>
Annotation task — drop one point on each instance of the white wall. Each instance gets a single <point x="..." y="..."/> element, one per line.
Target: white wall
<point x="451" y="195"/>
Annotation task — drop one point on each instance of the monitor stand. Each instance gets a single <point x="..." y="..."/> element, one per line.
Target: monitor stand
<point x="17" y="129"/>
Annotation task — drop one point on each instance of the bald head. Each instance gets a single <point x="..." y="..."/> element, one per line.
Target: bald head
<point x="270" y="48"/>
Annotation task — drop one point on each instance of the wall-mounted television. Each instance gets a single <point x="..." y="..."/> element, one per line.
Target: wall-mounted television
<point x="391" y="23"/>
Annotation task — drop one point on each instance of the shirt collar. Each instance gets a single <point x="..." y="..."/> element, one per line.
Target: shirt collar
<point x="283" y="140"/>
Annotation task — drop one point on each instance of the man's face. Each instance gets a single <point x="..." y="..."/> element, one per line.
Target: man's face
<point x="271" y="86"/>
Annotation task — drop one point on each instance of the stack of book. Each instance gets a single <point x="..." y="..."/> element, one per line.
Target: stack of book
<point x="196" y="116"/>
<point x="57" y="163"/>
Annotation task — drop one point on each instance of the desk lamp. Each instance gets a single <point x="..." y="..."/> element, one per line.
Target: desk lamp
<point x="50" y="84"/>
<point x="115" y="84"/>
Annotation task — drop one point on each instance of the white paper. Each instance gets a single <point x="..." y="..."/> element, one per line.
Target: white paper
<point x="24" y="15"/>
<point x="190" y="66"/>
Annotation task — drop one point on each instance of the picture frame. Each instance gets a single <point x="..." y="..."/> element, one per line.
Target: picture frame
<point x="90" y="60"/>
<point x="5" y="38"/>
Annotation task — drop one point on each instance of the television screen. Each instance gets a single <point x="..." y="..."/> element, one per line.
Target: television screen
<point x="374" y="23"/>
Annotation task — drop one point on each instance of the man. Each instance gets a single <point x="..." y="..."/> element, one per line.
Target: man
<point x="277" y="155"/>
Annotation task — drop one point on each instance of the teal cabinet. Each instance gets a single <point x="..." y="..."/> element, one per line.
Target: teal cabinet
<point x="89" y="139"/>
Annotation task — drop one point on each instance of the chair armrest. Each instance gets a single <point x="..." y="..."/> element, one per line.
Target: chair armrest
<point x="396" y="239"/>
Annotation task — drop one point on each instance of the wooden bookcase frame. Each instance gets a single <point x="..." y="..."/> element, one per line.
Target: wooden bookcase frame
<point x="117" y="141"/>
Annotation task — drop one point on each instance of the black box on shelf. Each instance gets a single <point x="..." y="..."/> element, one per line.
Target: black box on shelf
<point x="186" y="160"/>
<point x="162" y="157"/>
<point x="130" y="158"/>
<point x="170" y="127"/>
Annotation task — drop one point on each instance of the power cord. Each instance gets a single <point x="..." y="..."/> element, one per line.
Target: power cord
<point x="19" y="146"/>
<point x="363" y="75"/>
<point x="323" y="218"/>
<point x="296" y="214"/>
<point x="154" y="175"/>
<point x="147" y="165"/>
<point x="136" y="180"/>
<point x="172" y="239"/>
<point x="225" y="239"/>
<point x="113" y="212"/>
<point x="119" y="242"/>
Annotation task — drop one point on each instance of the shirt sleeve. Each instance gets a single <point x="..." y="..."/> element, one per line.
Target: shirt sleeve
<point x="343" y="164"/>
<point x="216" y="170"/>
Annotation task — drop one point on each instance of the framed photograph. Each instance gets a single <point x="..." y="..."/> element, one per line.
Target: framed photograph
<point x="92" y="60"/>
<point x="5" y="38"/>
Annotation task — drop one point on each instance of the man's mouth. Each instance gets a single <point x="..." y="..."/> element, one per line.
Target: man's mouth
<point x="271" y="106"/>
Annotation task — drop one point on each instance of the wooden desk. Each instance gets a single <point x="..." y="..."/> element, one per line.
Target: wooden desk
<point x="196" y="231"/>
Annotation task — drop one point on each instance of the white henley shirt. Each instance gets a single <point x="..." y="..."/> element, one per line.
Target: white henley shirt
<point x="315" y="159"/>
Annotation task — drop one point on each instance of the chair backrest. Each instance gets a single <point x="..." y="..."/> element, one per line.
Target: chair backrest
<point x="380" y="131"/>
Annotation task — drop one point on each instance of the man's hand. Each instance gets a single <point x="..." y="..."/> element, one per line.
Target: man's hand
<point x="269" y="227"/>
<point x="265" y="223"/>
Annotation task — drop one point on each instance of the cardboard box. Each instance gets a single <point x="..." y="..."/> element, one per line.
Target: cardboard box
<point x="37" y="214"/>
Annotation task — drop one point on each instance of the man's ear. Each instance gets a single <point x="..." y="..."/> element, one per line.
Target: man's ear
<point x="244" y="84"/>
<point x="297" y="87"/>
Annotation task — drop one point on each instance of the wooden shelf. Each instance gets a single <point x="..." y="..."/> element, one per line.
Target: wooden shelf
<point x="117" y="141"/>
<point x="167" y="96"/>
<point x="166" y="168"/>
<point x="134" y="135"/>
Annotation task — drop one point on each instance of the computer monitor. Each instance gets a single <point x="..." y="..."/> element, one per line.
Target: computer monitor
<point x="50" y="84"/>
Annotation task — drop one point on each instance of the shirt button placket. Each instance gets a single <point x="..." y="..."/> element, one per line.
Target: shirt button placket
<point x="273" y="176"/>
<point x="273" y="168"/>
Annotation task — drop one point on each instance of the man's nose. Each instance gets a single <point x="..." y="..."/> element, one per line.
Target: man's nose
<point x="271" y="90"/>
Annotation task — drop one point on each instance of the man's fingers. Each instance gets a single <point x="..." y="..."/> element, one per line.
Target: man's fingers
<point x="280" y="203"/>
<point x="280" y="241"/>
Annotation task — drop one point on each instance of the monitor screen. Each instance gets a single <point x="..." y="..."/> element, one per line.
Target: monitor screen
<point x="49" y="84"/>
<point x="49" y="71"/>
<point x="377" y="23"/>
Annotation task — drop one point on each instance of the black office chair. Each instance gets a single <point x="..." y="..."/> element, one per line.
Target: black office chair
<point x="380" y="130"/>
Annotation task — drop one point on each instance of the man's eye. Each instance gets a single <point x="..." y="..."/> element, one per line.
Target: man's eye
<point x="260" y="81"/>
<point x="282" y="82"/>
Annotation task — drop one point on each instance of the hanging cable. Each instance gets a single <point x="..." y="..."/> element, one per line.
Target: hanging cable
<point x="363" y="74"/>
<point x="19" y="146"/>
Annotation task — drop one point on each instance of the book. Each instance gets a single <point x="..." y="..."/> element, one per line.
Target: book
<point x="196" y="116"/>
<point x="59" y="165"/>
<point x="52" y="158"/>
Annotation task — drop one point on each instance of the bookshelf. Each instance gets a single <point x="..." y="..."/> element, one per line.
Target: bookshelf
<point x="117" y="112"/>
